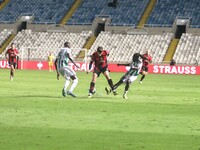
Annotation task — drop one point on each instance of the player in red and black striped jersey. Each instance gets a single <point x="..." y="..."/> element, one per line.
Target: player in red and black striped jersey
<point x="99" y="58"/>
<point x="147" y="59"/>
<point x="11" y="56"/>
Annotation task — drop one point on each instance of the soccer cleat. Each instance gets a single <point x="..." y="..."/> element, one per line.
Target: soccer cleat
<point x="115" y="92"/>
<point x="90" y="95"/>
<point x="107" y="91"/>
<point x="71" y="94"/>
<point x="94" y="91"/>
<point x="140" y="82"/>
<point x="125" y="97"/>
<point x="63" y="93"/>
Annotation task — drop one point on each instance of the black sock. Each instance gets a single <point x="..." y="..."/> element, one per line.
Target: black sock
<point x="118" y="84"/>
<point x="110" y="82"/>
<point x="143" y="76"/>
<point x="127" y="86"/>
<point x="92" y="84"/>
<point x="11" y="73"/>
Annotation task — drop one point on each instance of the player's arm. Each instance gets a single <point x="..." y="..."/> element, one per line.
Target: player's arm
<point x="58" y="74"/>
<point x="123" y="64"/>
<point x="150" y="60"/>
<point x="16" y="53"/>
<point x="90" y="66"/>
<point x="72" y="60"/>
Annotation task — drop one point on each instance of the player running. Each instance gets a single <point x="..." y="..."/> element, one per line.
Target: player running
<point x="99" y="58"/>
<point x="130" y="76"/>
<point x="62" y="67"/>
<point x="146" y="60"/>
<point x="11" y="55"/>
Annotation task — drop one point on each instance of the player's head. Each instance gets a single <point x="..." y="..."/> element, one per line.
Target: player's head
<point x="12" y="45"/>
<point x="137" y="57"/>
<point x="147" y="52"/>
<point x="67" y="44"/>
<point x="99" y="49"/>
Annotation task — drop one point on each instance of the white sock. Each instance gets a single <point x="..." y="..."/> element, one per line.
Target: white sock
<point x="125" y="92"/>
<point x="74" y="84"/>
<point x="66" y="84"/>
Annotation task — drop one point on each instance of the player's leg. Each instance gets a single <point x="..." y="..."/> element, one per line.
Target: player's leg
<point x="74" y="84"/>
<point x="71" y="73"/>
<point x="126" y="90"/>
<point x="12" y="71"/>
<point x="144" y="72"/>
<point x="50" y="66"/>
<point x="110" y="82"/>
<point x="95" y="75"/>
<point x="120" y="82"/>
<point x="67" y="81"/>
<point x="128" y="81"/>
<point x="63" y="72"/>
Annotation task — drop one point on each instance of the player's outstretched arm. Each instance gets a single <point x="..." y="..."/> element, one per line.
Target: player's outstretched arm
<point x="72" y="60"/>
<point x="123" y="64"/>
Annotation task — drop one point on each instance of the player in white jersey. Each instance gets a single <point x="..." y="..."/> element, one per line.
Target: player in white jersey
<point x="131" y="75"/>
<point x="62" y="67"/>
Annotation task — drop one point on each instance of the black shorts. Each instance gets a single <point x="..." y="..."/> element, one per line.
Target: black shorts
<point x="145" y="68"/>
<point x="12" y="63"/>
<point x="98" y="71"/>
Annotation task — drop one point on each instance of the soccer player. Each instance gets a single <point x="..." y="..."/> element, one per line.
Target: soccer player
<point x="50" y="61"/>
<point x="131" y="75"/>
<point x="99" y="58"/>
<point x="62" y="67"/>
<point x="146" y="60"/>
<point x="11" y="55"/>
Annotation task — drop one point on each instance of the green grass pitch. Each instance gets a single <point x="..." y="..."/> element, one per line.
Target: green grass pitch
<point x="163" y="113"/>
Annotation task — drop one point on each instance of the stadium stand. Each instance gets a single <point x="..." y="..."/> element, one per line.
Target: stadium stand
<point x="113" y="38"/>
<point x="123" y="46"/>
<point x="37" y="45"/>
<point x="126" y="12"/>
<point x="188" y="49"/>
<point x="4" y="35"/>
<point x="166" y="11"/>
<point x="48" y="11"/>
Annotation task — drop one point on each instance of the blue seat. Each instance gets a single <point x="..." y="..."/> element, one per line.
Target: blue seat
<point x="119" y="14"/>
<point x="166" y="11"/>
<point x="43" y="11"/>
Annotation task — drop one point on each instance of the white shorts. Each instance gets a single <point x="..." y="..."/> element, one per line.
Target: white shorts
<point x="129" y="79"/>
<point x="67" y="72"/>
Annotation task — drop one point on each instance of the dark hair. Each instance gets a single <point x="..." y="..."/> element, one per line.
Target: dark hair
<point x="66" y="44"/>
<point x="100" y="49"/>
<point x="136" y="56"/>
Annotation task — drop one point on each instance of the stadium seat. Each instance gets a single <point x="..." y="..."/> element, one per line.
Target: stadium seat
<point x="4" y="35"/>
<point x="123" y="46"/>
<point x="36" y="45"/>
<point x="178" y="8"/>
<point x="125" y="13"/>
<point x="51" y="11"/>
<point x="188" y="49"/>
